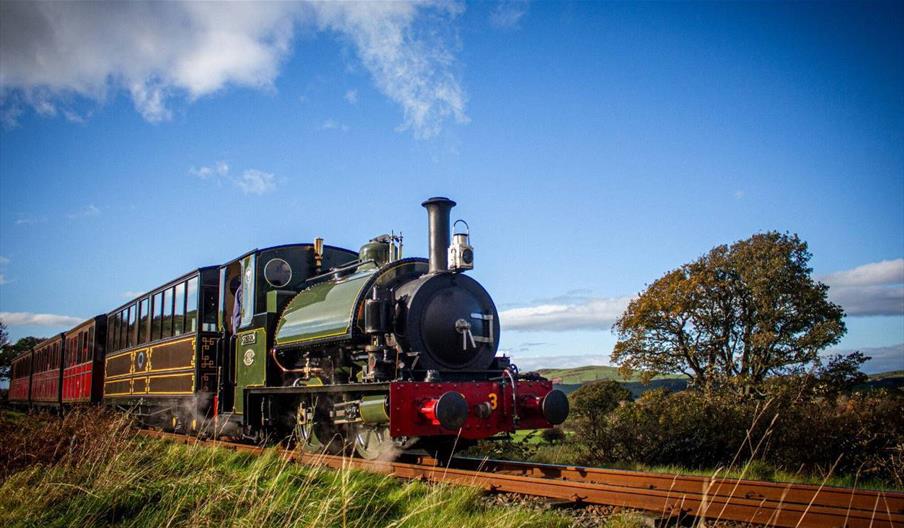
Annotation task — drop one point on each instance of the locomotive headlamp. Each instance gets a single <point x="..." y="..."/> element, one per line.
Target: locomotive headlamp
<point x="461" y="254"/>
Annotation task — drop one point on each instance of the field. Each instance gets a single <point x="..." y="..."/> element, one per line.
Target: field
<point x="85" y="472"/>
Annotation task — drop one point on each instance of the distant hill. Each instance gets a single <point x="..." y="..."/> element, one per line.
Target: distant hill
<point x="887" y="380"/>
<point x="887" y="375"/>
<point x="637" y="388"/>
<point x="571" y="379"/>
<point x="580" y="375"/>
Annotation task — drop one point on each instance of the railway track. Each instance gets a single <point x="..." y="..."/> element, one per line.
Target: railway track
<point x="763" y="503"/>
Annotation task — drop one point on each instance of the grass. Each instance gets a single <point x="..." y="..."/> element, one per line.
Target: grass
<point x="114" y="478"/>
<point x="533" y="448"/>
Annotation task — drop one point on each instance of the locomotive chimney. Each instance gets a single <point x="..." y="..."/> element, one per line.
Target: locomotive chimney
<point x="438" y="209"/>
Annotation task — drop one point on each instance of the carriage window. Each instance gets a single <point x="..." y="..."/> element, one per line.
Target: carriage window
<point x="124" y="329"/>
<point x="157" y="310"/>
<point x="168" y="312"/>
<point x="179" y="309"/>
<point x="209" y="310"/>
<point x="112" y="332"/>
<point x="133" y="313"/>
<point x="119" y="343"/>
<point x="191" y="306"/>
<point x="91" y="343"/>
<point x="143" y="320"/>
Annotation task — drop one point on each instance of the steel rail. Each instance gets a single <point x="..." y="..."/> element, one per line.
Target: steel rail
<point x="766" y="503"/>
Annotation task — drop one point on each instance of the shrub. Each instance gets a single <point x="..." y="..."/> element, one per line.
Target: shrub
<point x="590" y="405"/>
<point x="553" y="435"/>
<point x="791" y="430"/>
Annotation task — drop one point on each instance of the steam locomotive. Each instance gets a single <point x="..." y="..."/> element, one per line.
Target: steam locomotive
<point x="365" y="351"/>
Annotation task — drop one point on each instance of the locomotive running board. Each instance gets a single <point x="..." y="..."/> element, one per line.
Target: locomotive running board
<point x="346" y="387"/>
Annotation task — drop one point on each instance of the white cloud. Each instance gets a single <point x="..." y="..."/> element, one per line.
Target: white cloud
<point x="351" y="96"/>
<point x="85" y="212"/>
<point x="55" y="54"/>
<point x="875" y="274"/>
<point x="3" y="279"/>
<point x="332" y="124"/>
<point x="251" y="181"/>
<point x="150" y="50"/>
<point x="508" y="13"/>
<point x="254" y="181"/>
<point x="871" y="289"/>
<point x="738" y="195"/>
<point x="565" y="314"/>
<point x="882" y="359"/>
<point x="36" y="319"/>
<point x="24" y="219"/>
<point x="220" y="169"/>
<point x="410" y="64"/>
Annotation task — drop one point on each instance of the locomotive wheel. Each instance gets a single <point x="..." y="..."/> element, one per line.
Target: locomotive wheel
<point x="373" y="442"/>
<point x="316" y="432"/>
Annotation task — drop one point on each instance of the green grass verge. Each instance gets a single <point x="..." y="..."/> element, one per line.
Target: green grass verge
<point x="568" y="453"/>
<point x="90" y="469"/>
<point x="149" y="482"/>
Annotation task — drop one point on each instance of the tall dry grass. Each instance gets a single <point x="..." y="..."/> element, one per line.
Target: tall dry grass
<point x="90" y="469"/>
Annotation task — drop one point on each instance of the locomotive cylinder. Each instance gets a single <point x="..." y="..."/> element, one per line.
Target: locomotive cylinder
<point x="373" y="410"/>
<point x="438" y="209"/>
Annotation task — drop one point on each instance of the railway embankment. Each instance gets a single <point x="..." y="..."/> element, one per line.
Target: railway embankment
<point x="92" y="469"/>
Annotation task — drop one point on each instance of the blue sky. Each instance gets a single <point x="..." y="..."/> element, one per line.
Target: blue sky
<point x="591" y="146"/>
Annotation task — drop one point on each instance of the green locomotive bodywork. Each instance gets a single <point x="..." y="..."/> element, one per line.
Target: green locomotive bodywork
<point x="323" y="311"/>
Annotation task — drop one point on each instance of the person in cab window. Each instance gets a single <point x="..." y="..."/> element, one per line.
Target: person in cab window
<point x="236" y="288"/>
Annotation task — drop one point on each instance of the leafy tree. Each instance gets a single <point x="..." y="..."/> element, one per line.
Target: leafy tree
<point x="5" y="361"/>
<point x="9" y="351"/>
<point x="589" y="406"/>
<point x="731" y="318"/>
<point x="841" y="373"/>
